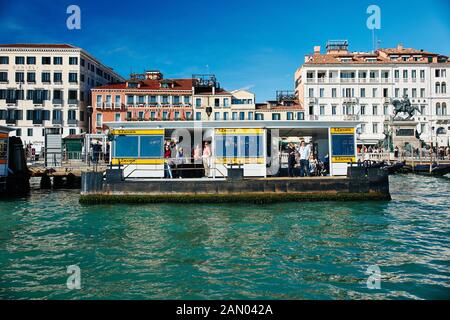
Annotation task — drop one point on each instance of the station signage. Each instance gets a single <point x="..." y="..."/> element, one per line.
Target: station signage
<point x="133" y="132"/>
<point x="343" y="145"/>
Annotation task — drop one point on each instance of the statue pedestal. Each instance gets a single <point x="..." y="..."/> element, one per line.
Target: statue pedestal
<point x="404" y="133"/>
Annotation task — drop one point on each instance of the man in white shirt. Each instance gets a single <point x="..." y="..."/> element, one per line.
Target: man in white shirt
<point x="304" y="152"/>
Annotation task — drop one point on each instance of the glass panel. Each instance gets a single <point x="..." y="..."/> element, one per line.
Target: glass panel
<point x="126" y="146"/>
<point x="151" y="147"/>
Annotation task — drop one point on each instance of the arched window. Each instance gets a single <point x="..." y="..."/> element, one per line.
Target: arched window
<point x="440" y="130"/>
<point x="443" y="88"/>
<point x="444" y="109"/>
<point x="438" y="87"/>
<point x="438" y="109"/>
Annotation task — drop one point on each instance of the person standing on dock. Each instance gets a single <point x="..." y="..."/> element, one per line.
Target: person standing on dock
<point x="206" y="158"/>
<point x="291" y="159"/>
<point x="167" y="157"/>
<point x="304" y="152"/>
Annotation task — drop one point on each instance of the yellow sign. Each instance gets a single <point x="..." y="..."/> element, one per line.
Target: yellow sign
<point x="343" y="159"/>
<point x="239" y="131"/>
<point x="124" y="161"/>
<point x="137" y="132"/>
<point x="342" y="130"/>
<point x="240" y="161"/>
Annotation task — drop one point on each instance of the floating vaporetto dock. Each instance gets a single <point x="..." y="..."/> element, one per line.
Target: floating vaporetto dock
<point x="362" y="184"/>
<point x="245" y="163"/>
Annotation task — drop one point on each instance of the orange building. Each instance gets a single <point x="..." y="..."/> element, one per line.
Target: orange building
<point x="142" y="98"/>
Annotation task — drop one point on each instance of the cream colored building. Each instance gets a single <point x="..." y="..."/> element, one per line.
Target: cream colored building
<point x="342" y="85"/>
<point x="46" y="86"/>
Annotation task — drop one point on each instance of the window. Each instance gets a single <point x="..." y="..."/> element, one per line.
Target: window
<point x="333" y="92"/>
<point x="57" y="96"/>
<point x="259" y="116"/>
<point x="82" y="62"/>
<point x="397" y="92"/>
<point x="321" y="92"/>
<point x="322" y="110"/>
<point x="73" y="77"/>
<point x="422" y="74"/>
<point x="57" y="60"/>
<point x="73" y="94"/>
<point x="363" y="110"/>
<point x="290" y="116"/>
<point x="20" y="77"/>
<point x="198" y="116"/>
<point x="176" y="99"/>
<point x="414" y="93"/>
<point x="20" y="60"/>
<point x="422" y="110"/>
<point x="216" y="115"/>
<point x="4" y="60"/>
<point x="45" y="77"/>
<point x="226" y="102"/>
<point x="375" y="127"/>
<point x="117" y="101"/>
<point x="141" y="115"/>
<point x="57" y="77"/>
<point x="198" y="102"/>
<point x="130" y="99"/>
<point x="311" y="92"/>
<point x="46" y="60"/>
<point x="405" y="92"/>
<point x="405" y="74"/>
<point x="177" y="115"/>
<point x="31" y="60"/>
<point x="422" y="93"/>
<point x="31" y="77"/>
<point x="414" y="74"/>
<point x="99" y="101"/>
<point x="363" y="92"/>
<point x="363" y="128"/>
<point x="443" y="88"/>
<point x="437" y="73"/>
<point x="18" y="132"/>
<point x="397" y="74"/>
<point x="333" y="110"/>
<point x="241" y="115"/>
<point x="386" y="110"/>
<point x="374" y="92"/>
<point x="3" y="76"/>
<point x="165" y="99"/>
<point x="375" y="110"/>
<point x="385" y="92"/>
<point x="99" y="119"/>
<point x="187" y="99"/>
<point x="73" y="60"/>
<point x="275" y="116"/>
<point x="300" y="116"/>
<point x="250" y="115"/>
<point x="30" y="132"/>
<point x="216" y="102"/>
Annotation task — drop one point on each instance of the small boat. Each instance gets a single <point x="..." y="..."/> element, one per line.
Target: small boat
<point x="436" y="169"/>
<point x="394" y="168"/>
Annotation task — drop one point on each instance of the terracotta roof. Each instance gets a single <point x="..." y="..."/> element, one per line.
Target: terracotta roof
<point x="178" y="84"/>
<point x="37" y="45"/>
<point x="406" y="51"/>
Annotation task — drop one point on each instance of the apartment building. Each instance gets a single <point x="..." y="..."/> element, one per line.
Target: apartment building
<point x="344" y="85"/>
<point x="150" y="96"/>
<point x="45" y="86"/>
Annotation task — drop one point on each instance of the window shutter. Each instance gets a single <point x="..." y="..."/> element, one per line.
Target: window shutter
<point x="46" y="115"/>
<point x="29" y="114"/>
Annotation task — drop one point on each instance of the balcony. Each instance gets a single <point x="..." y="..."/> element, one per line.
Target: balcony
<point x="385" y="80"/>
<point x="11" y="101"/>
<point x="312" y="100"/>
<point x="108" y="105"/>
<point x="321" y="80"/>
<point x="350" y="100"/>
<point x="313" y="117"/>
<point x="57" y="101"/>
<point x="38" y="121"/>
<point x="386" y="100"/>
<point x="57" y="121"/>
<point x="118" y="105"/>
<point x="4" y="81"/>
<point x="374" y="80"/>
<point x="310" y="80"/>
<point x="348" y="80"/>
<point x="72" y="101"/>
<point x="72" y="121"/>
<point x="11" y="121"/>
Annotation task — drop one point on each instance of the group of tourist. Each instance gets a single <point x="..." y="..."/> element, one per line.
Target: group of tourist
<point x="301" y="156"/>
<point x="175" y="155"/>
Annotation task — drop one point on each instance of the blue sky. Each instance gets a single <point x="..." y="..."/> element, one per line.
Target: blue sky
<point x="252" y="44"/>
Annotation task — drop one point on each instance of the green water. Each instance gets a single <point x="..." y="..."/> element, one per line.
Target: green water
<point x="282" y="251"/>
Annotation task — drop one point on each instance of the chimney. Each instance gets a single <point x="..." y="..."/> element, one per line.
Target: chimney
<point x="400" y="46"/>
<point x="317" y="50"/>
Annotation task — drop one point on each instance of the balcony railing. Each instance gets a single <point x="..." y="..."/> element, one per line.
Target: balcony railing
<point x="374" y="80"/>
<point x="72" y="101"/>
<point x="11" y="121"/>
<point x="72" y="121"/>
<point x="108" y="105"/>
<point x="57" y="101"/>
<point x="57" y="121"/>
<point x="310" y="80"/>
<point x="312" y="100"/>
<point x="348" y="80"/>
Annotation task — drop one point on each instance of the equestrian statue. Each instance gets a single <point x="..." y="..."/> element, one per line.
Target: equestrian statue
<point x="404" y="106"/>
